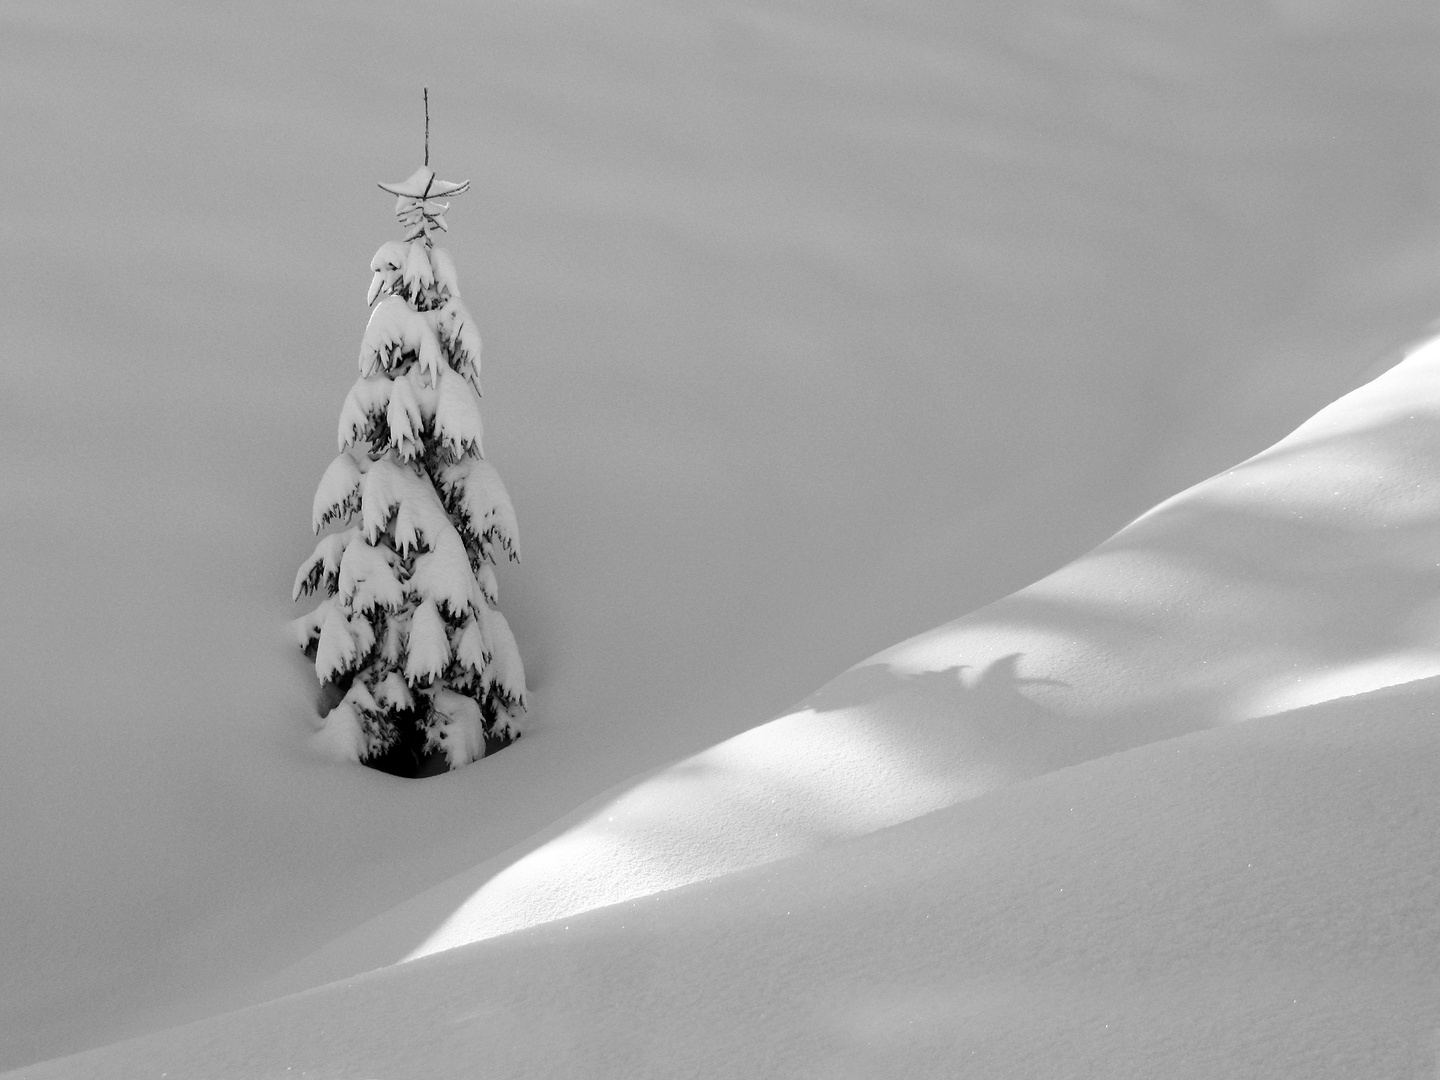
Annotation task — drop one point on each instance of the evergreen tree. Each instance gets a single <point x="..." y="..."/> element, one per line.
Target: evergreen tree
<point x="408" y="637"/>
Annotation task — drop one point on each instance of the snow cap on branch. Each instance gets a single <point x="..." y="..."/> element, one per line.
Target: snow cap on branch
<point x="396" y="330"/>
<point x="323" y="567"/>
<point x="428" y="650"/>
<point x="505" y="672"/>
<point x="338" y="495"/>
<point x="478" y="494"/>
<point x="367" y="578"/>
<point x="460" y="730"/>
<point x="423" y="184"/>
<point x="418" y="206"/>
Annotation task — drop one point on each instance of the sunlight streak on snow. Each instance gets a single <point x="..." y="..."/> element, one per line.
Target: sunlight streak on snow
<point x="1314" y="684"/>
<point x="789" y="786"/>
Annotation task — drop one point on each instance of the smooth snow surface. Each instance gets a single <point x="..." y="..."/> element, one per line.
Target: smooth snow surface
<point x="806" y="328"/>
<point x="1310" y="572"/>
<point x="1253" y="901"/>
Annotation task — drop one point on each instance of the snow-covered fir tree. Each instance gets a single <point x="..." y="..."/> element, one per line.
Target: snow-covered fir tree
<point x="409" y="638"/>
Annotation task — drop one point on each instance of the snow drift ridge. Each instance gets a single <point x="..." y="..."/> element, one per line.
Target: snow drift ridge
<point x="1304" y="574"/>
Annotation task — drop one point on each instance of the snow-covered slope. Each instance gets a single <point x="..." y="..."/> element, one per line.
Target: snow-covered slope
<point x="1310" y="572"/>
<point x="807" y="328"/>
<point x="1169" y="811"/>
<point x="1253" y="900"/>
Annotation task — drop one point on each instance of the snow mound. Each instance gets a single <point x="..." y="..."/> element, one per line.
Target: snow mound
<point x="1250" y="900"/>
<point x="1305" y="574"/>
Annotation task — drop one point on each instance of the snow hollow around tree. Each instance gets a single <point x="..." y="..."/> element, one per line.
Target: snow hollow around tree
<point x="409" y="635"/>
